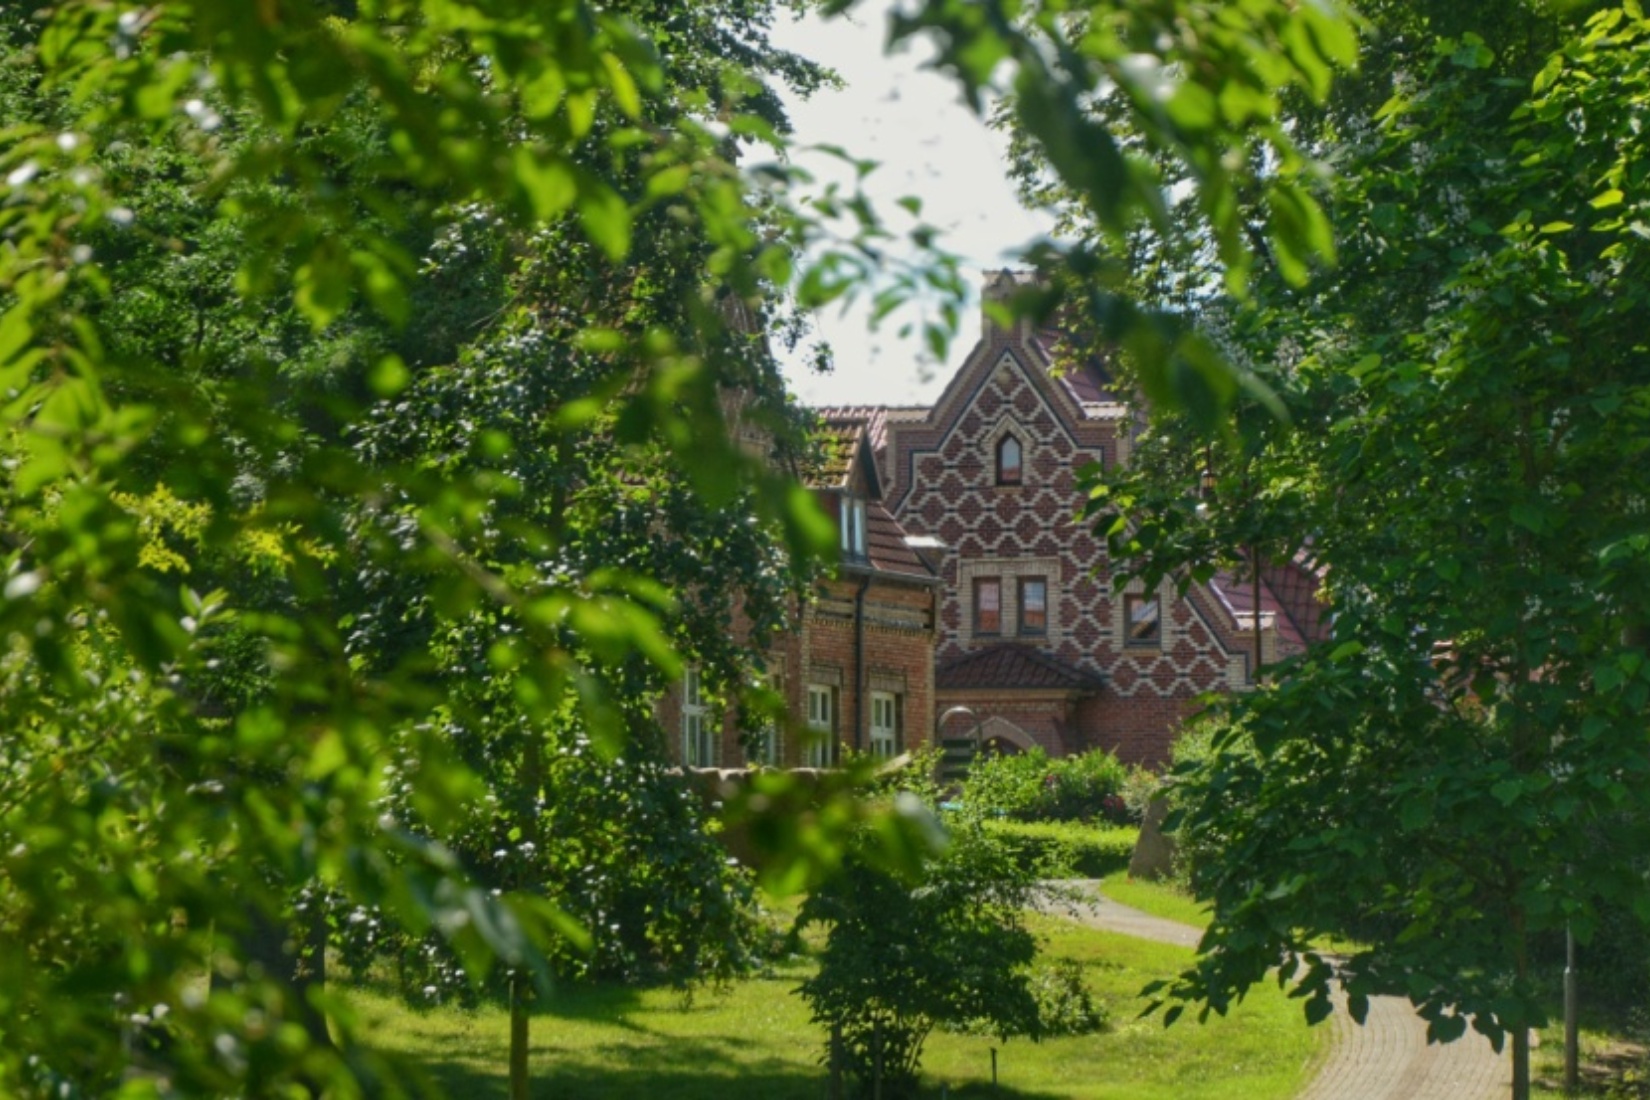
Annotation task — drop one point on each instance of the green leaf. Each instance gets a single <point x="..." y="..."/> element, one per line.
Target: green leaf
<point x="389" y="376"/>
<point x="625" y="92"/>
<point x="1346" y="650"/>
<point x="605" y="217"/>
<point x="547" y="179"/>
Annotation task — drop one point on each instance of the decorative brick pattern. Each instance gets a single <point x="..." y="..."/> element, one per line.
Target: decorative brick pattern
<point x="940" y="479"/>
<point x="934" y="473"/>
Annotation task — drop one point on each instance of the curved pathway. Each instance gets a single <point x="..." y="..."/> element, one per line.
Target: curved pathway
<point x="1387" y="1058"/>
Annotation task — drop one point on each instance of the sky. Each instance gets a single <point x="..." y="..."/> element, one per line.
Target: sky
<point x="930" y="145"/>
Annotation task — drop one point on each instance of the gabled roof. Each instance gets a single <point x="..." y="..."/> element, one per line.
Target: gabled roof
<point x="838" y="444"/>
<point x="1288" y="592"/>
<point x="1089" y="380"/>
<point x="876" y="418"/>
<point x="844" y="438"/>
<point x="887" y="546"/>
<point x="1010" y="666"/>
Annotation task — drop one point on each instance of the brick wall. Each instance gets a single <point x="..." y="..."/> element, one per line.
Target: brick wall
<point x="944" y="484"/>
<point x="899" y="658"/>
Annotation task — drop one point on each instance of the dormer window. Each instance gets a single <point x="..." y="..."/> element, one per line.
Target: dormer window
<point x="1009" y="461"/>
<point x="853" y="528"/>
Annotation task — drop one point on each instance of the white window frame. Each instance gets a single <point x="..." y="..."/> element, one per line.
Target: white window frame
<point x="698" y="731"/>
<point x="821" y="725"/>
<point x="884" y="740"/>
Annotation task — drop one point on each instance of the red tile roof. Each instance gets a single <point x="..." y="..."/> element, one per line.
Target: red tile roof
<point x="841" y="434"/>
<point x="1008" y="665"/>
<point x="1288" y="591"/>
<point x="886" y="548"/>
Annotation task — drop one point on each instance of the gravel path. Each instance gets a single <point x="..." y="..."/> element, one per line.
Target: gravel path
<point x="1388" y="1058"/>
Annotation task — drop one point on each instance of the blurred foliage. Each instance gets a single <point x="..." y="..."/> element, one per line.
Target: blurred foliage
<point x="367" y="371"/>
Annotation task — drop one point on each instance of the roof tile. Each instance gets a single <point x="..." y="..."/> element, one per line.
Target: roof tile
<point x="1009" y="665"/>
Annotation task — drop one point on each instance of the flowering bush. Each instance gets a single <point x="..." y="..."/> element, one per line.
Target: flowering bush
<point x="1030" y="786"/>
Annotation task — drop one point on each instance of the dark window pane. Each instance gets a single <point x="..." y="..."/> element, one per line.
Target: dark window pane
<point x="1144" y="620"/>
<point x="1034" y="606"/>
<point x="988" y="606"/>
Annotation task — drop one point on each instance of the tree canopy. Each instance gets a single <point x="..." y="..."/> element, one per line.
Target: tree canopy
<point x="354" y="358"/>
<point x="1458" y="771"/>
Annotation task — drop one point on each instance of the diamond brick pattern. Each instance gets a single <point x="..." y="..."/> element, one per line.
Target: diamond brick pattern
<point x="940" y="480"/>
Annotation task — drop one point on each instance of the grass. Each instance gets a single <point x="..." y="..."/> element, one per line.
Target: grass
<point x="1160" y="899"/>
<point x="1614" y="1062"/>
<point x="754" y="1040"/>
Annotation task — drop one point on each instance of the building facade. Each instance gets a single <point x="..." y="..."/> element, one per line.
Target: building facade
<point x="1035" y="646"/>
<point x="858" y="671"/>
<point x="971" y="593"/>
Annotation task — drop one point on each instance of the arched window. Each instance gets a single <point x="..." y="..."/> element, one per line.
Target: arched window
<point x="1008" y="461"/>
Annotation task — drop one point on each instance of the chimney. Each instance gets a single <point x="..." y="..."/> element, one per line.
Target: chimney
<point x="1002" y="286"/>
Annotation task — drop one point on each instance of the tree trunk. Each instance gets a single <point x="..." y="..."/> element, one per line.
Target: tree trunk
<point x="521" y="992"/>
<point x="519" y="996"/>
<point x="1521" y="1063"/>
<point x="311" y="974"/>
<point x="1521" y="1034"/>
<point x="836" y="1062"/>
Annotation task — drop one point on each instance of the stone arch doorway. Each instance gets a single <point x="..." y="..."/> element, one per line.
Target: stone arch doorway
<point x="1001" y="737"/>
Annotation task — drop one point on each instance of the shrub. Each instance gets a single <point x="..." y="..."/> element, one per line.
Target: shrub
<point x="1052" y="849"/>
<point x="901" y="957"/>
<point x="1065" y="1004"/>
<point x="1140" y="786"/>
<point x="1029" y="786"/>
<point x="1007" y="785"/>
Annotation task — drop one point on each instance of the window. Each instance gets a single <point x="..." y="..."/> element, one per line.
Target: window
<point x="885" y="723"/>
<point x="762" y="743"/>
<point x="1008" y="461"/>
<point x="988" y="605"/>
<point x="1033" y="605"/>
<point x="853" y="527"/>
<point x="1143" y="621"/>
<point x="698" y="736"/>
<point x="821" y="726"/>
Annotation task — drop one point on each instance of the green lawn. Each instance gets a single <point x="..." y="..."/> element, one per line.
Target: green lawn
<point x="1172" y="903"/>
<point x="1158" y="899"/>
<point x="753" y="1040"/>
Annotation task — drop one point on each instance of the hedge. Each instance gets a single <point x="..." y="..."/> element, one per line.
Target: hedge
<point x="1062" y="849"/>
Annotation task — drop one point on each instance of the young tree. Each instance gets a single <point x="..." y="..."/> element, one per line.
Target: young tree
<point x="902" y="955"/>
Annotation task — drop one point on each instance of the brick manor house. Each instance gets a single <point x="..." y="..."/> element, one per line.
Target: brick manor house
<point x="968" y="581"/>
